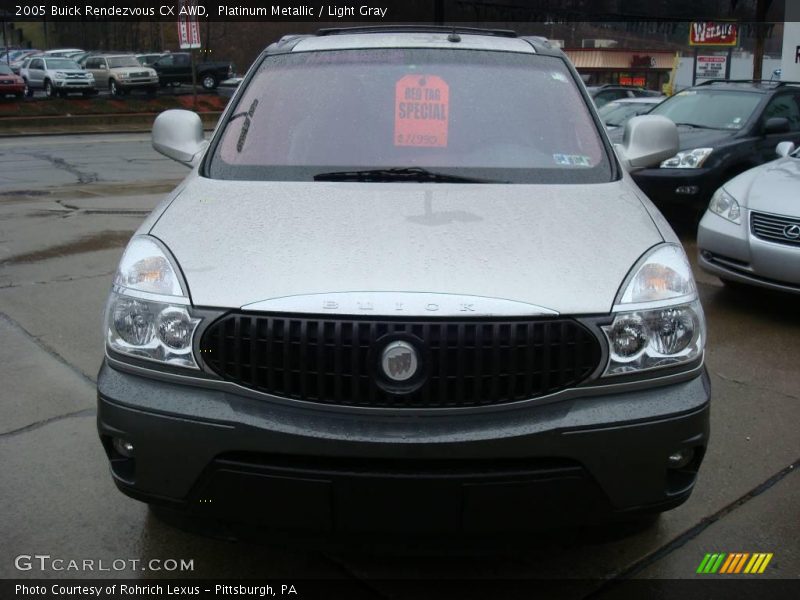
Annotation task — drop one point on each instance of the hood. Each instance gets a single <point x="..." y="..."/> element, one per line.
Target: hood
<point x="129" y="70"/>
<point x="773" y="187"/>
<point x="688" y="137"/>
<point x="566" y="248"/>
<point x="70" y="71"/>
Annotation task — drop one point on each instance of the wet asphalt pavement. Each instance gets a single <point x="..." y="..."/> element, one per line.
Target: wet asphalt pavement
<point x="67" y="207"/>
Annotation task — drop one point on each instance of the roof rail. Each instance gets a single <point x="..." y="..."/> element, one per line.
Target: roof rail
<point x="775" y="82"/>
<point x="508" y="33"/>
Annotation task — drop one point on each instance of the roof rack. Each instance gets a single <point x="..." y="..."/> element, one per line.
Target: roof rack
<point x="508" y="33"/>
<point x="775" y="82"/>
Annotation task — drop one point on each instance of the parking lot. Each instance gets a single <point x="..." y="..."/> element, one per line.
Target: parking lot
<point x="68" y="205"/>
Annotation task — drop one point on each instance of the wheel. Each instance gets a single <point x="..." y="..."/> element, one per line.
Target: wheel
<point x="209" y="82"/>
<point x="114" y="89"/>
<point x="28" y="91"/>
<point x="48" y="89"/>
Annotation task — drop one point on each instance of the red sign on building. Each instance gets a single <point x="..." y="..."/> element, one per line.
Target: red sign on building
<point x="709" y="33"/>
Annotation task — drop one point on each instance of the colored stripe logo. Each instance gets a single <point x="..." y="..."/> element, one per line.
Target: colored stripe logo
<point x="734" y="563"/>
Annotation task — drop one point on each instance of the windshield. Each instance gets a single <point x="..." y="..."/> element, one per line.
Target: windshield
<point x="715" y="109"/>
<point x="6" y="70"/>
<point x="61" y="63"/>
<point x="489" y="116"/>
<point x="615" y="114"/>
<point x="123" y="61"/>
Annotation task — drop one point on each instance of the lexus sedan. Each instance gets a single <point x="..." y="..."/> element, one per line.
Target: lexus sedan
<point x="750" y="233"/>
<point x="392" y="298"/>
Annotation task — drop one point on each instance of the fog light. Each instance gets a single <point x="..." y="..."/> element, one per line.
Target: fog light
<point x="123" y="447"/>
<point x="681" y="458"/>
<point x="687" y="189"/>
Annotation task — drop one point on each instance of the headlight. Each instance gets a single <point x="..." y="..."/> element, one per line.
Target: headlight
<point x="726" y="206"/>
<point x="90" y="76"/>
<point x="149" y="314"/>
<point x="123" y="75"/>
<point x="58" y="75"/>
<point x="658" y="320"/>
<point x="688" y="159"/>
<point x="152" y="73"/>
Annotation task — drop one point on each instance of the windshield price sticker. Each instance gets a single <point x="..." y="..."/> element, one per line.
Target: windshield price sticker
<point x="422" y="111"/>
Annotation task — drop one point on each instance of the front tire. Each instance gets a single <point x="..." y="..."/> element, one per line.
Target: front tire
<point x="48" y="89"/>
<point x="28" y="92"/>
<point x="114" y="89"/>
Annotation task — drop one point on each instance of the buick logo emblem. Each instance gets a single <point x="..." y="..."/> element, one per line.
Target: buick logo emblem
<point x="399" y="361"/>
<point x="791" y="232"/>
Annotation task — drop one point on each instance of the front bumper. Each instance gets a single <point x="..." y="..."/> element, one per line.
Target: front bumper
<point x="237" y="458"/>
<point x="730" y="251"/>
<point x="12" y="88"/>
<point x="74" y="86"/>
<point x="688" y="187"/>
<point x="133" y="84"/>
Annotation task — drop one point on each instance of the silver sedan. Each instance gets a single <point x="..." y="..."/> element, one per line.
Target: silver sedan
<point x="750" y="233"/>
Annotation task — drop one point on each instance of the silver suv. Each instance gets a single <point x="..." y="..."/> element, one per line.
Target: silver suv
<point x="121" y="74"/>
<point x="56" y="76"/>
<point x="408" y="286"/>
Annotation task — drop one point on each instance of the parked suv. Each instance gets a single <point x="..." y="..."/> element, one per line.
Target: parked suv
<point x="121" y="74"/>
<point x="391" y="297"/>
<point x="56" y="76"/>
<point x="726" y="128"/>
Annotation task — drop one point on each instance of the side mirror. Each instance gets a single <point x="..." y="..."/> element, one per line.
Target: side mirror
<point x="178" y="134"/>
<point x="647" y="141"/>
<point x="777" y="125"/>
<point x="784" y="149"/>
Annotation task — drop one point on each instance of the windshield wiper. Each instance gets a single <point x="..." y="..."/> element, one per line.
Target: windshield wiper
<point x="417" y="174"/>
<point x="697" y="126"/>
<point x="246" y="125"/>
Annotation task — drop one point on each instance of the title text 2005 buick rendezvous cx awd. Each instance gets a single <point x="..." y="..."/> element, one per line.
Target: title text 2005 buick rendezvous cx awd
<point x="408" y="285"/>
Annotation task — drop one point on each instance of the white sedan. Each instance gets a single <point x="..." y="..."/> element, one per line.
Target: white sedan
<point x="750" y="233"/>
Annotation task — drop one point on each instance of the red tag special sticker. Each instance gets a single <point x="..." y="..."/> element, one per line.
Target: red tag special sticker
<point x="422" y="109"/>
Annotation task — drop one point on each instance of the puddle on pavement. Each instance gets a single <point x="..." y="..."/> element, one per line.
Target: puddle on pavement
<point x="90" y="243"/>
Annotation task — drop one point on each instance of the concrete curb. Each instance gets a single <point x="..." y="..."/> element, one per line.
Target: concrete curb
<point x="88" y="124"/>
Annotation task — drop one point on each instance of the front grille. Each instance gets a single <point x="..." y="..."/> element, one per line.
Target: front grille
<point x="773" y="228"/>
<point x="76" y="76"/>
<point x="463" y="363"/>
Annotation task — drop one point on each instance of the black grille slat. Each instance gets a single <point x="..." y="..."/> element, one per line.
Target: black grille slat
<point x="335" y="361"/>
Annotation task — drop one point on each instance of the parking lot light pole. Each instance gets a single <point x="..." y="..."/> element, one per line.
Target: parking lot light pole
<point x="194" y="79"/>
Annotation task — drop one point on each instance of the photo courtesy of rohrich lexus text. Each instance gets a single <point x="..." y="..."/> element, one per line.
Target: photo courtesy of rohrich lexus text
<point x="431" y="299"/>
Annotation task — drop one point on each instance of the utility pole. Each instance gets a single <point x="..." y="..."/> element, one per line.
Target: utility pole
<point x="762" y="6"/>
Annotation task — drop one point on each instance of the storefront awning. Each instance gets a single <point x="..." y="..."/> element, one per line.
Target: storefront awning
<point x="635" y="60"/>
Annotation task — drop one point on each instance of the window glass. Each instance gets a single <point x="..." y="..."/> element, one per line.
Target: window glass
<point x="785" y="105"/>
<point x="61" y="63"/>
<point x="123" y="61"/>
<point x="493" y="115"/>
<point x="713" y="109"/>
